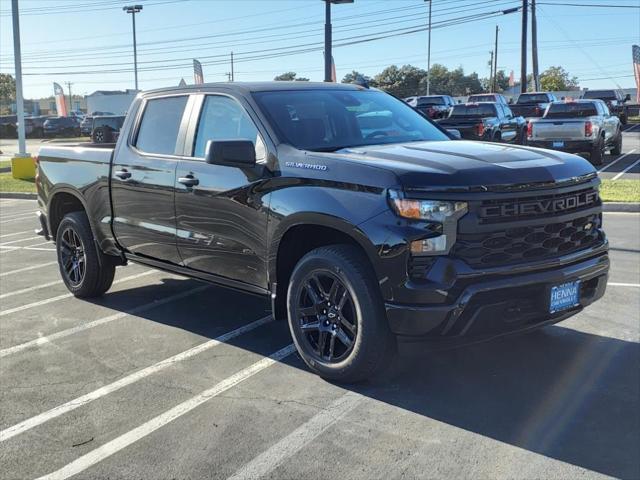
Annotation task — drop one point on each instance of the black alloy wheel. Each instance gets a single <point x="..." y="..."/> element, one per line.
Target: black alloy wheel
<point x="327" y="317"/>
<point x="72" y="254"/>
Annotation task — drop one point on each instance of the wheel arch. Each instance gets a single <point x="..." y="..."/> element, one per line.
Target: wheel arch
<point x="301" y="234"/>
<point x="63" y="201"/>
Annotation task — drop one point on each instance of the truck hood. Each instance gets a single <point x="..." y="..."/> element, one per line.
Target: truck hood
<point x="465" y="165"/>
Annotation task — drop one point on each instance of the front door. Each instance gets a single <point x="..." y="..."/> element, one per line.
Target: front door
<point x="509" y="125"/>
<point x="143" y="182"/>
<point x="222" y="223"/>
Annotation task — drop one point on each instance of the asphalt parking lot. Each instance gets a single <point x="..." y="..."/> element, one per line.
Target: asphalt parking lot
<point x="165" y="377"/>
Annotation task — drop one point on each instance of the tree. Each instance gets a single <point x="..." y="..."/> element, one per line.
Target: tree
<point x="7" y="91"/>
<point x="290" y="76"/>
<point x="352" y="77"/>
<point x="557" y="79"/>
<point x="401" y="82"/>
<point x="502" y="82"/>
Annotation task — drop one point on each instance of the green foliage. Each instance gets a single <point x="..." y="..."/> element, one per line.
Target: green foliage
<point x="351" y="77"/>
<point x="290" y="76"/>
<point x="557" y="78"/>
<point x="7" y="91"/>
<point x="409" y="80"/>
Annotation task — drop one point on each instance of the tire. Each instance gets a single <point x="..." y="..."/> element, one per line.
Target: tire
<point x="497" y="137"/>
<point x="357" y="335"/>
<point x="101" y="135"/>
<point x="85" y="270"/>
<point x="617" y="147"/>
<point x="623" y="119"/>
<point x="597" y="153"/>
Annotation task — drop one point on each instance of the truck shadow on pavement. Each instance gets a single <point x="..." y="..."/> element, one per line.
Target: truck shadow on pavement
<point x="558" y="392"/>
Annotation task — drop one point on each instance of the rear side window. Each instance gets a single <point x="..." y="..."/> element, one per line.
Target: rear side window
<point x="160" y="125"/>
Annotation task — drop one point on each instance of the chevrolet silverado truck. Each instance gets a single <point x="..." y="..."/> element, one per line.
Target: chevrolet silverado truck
<point x="533" y="104"/>
<point x="361" y="219"/>
<point x="615" y="100"/>
<point x="488" y="121"/>
<point x="581" y="126"/>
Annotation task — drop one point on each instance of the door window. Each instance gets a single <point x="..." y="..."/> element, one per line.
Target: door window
<point x="158" y="131"/>
<point x="223" y="118"/>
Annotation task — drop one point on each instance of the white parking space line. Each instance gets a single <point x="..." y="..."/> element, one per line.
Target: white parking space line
<point x="37" y="237"/>
<point x="26" y="269"/>
<point x="123" y="441"/>
<point x="297" y="440"/>
<point x="616" y="160"/>
<point x="101" y="321"/>
<point x="21" y="219"/>
<point x="15" y="215"/>
<point x="631" y="129"/>
<point x="128" y="380"/>
<point x="46" y="301"/>
<point x="15" y="233"/>
<point x="615" y="284"/>
<point x="626" y="170"/>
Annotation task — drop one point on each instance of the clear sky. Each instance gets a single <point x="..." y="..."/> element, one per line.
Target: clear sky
<point x="88" y="42"/>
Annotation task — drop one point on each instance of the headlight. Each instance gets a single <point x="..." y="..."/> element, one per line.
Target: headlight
<point x="443" y="212"/>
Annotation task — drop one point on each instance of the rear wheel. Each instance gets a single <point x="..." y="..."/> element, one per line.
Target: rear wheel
<point x="617" y="147"/>
<point x="597" y="153"/>
<point x="101" y="135"/>
<point x="85" y="270"/>
<point x="337" y="316"/>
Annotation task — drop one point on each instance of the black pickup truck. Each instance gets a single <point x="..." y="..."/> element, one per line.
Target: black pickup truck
<point x="533" y="104"/>
<point x="488" y="121"/>
<point x="361" y="219"/>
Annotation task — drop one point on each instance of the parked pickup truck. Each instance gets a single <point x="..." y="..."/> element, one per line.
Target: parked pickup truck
<point x="532" y="105"/>
<point x="615" y="101"/>
<point x="488" y="121"/>
<point x="360" y="219"/>
<point x="581" y="126"/>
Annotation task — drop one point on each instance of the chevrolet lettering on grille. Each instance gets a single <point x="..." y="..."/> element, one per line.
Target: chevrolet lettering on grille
<point x="538" y="207"/>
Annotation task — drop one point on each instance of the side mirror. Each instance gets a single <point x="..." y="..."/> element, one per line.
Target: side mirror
<point x="510" y="101"/>
<point x="231" y="153"/>
<point x="454" y="134"/>
<point x="627" y="97"/>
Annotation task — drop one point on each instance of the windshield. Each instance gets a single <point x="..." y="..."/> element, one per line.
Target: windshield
<point x="571" y="110"/>
<point x="430" y="101"/>
<point x="474" y="110"/>
<point x="329" y="120"/>
<point x="601" y="94"/>
<point x="532" y="98"/>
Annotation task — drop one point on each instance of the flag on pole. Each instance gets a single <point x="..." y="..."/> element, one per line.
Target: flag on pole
<point x="61" y="105"/>
<point x="636" y="69"/>
<point x="198" y="77"/>
<point x="512" y="80"/>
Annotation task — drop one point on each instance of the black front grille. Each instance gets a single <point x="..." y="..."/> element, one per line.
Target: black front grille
<point x="528" y="244"/>
<point x="540" y="206"/>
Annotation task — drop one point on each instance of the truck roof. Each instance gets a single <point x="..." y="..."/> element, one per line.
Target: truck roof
<point x="246" y="87"/>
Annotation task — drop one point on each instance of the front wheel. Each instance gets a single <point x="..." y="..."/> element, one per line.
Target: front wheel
<point x="337" y="316"/>
<point x="85" y="270"/>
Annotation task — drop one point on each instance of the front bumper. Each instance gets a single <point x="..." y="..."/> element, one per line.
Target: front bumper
<point x="498" y="302"/>
<point x="570" y="146"/>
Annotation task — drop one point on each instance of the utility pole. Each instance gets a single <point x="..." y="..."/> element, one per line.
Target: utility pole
<point x="523" y="48"/>
<point x="228" y="74"/>
<point x="328" y="77"/>
<point x="133" y="9"/>
<point x="491" y="74"/>
<point x="494" y="85"/>
<point x="534" y="46"/>
<point x="232" y="75"/>
<point x="70" y="97"/>
<point x="17" y="58"/>
<point x="429" y="51"/>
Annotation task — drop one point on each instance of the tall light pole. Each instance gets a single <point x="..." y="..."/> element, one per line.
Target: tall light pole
<point x="429" y="51"/>
<point x="327" y="37"/>
<point x="17" y="57"/>
<point x="133" y="9"/>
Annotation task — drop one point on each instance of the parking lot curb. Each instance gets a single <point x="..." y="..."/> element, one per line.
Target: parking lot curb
<point x="19" y="195"/>
<point x="621" y="207"/>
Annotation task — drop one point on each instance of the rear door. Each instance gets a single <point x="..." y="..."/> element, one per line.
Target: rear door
<point x="143" y="179"/>
<point x="222" y="221"/>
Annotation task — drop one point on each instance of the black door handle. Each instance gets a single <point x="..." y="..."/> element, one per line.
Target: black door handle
<point x="123" y="174"/>
<point x="189" y="180"/>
